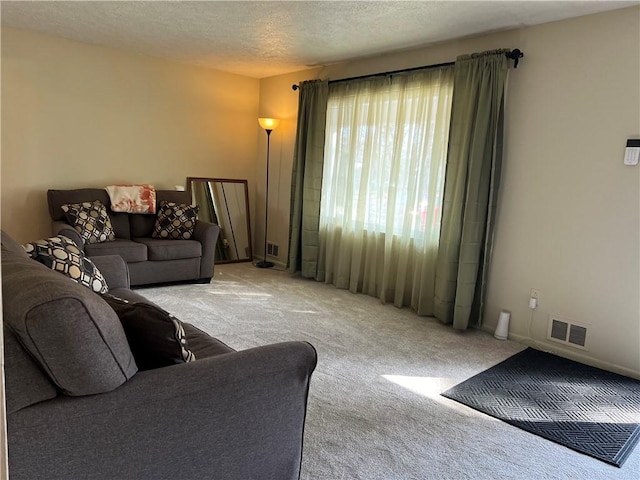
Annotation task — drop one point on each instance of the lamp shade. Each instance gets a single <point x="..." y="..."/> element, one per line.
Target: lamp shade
<point x="269" y="123"/>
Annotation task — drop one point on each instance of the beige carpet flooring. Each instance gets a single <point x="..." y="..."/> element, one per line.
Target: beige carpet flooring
<point x="375" y="410"/>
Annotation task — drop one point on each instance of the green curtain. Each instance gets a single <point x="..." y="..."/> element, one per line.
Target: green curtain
<point x="306" y="178"/>
<point x="471" y="186"/>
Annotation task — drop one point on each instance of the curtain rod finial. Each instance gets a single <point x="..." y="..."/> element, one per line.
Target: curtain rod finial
<point x="515" y="55"/>
<point x="294" y="87"/>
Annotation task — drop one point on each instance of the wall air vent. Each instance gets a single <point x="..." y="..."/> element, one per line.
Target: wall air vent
<point x="567" y="332"/>
<point x="273" y="249"/>
<point x="559" y="330"/>
<point x="577" y="336"/>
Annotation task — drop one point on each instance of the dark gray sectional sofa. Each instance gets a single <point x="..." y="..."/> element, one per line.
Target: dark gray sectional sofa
<point x="79" y="408"/>
<point x="150" y="260"/>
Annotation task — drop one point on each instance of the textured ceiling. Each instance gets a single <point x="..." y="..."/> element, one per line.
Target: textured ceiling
<point x="261" y="39"/>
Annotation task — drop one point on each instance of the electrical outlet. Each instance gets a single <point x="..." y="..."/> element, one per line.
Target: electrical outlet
<point x="535" y="293"/>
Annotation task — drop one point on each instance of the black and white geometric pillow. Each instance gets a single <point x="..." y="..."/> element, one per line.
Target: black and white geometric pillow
<point x="91" y="221"/>
<point x="63" y="255"/>
<point x="181" y="338"/>
<point x="175" y="221"/>
<point x="157" y="339"/>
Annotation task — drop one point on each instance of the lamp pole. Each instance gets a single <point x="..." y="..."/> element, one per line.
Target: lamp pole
<point x="268" y="124"/>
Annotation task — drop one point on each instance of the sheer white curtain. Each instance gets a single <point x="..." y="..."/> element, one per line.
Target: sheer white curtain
<point x="383" y="179"/>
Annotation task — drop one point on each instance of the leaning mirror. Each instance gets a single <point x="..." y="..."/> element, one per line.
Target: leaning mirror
<point x="225" y="202"/>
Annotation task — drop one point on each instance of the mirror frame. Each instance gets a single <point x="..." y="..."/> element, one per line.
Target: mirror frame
<point x="246" y="199"/>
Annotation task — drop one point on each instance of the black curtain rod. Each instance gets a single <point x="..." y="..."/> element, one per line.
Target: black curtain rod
<point x="514" y="55"/>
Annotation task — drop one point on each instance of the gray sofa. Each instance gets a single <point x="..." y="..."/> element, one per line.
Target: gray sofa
<point x="78" y="408"/>
<point x="150" y="260"/>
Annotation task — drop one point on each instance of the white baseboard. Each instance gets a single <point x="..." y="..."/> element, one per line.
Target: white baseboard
<point x="279" y="264"/>
<point x="552" y="347"/>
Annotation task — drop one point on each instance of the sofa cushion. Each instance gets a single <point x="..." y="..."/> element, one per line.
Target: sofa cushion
<point x="160" y="250"/>
<point x="91" y="221"/>
<point x="57" y="198"/>
<point x="156" y="338"/>
<point x="121" y="227"/>
<point x="74" y="336"/>
<point x="146" y="273"/>
<point x="63" y="256"/>
<point x="25" y="382"/>
<point x="141" y="225"/>
<point x="175" y="221"/>
<point x="129" y="250"/>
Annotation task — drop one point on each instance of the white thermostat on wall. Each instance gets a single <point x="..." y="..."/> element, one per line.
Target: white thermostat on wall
<point x="632" y="152"/>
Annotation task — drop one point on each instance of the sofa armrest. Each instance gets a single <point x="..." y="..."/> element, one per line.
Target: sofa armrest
<point x="235" y="416"/>
<point x="114" y="270"/>
<point x="62" y="228"/>
<point x="113" y="267"/>
<point x="207" y="234"/>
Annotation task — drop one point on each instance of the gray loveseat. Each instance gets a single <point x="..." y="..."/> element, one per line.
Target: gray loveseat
<point x="78" y="408"/>
<point x="150" y="260"/>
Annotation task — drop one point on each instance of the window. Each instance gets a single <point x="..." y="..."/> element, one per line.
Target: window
<point x="385" y="153"/>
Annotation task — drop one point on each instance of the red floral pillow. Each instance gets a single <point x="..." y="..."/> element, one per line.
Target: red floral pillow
<point x="132" y="198"/>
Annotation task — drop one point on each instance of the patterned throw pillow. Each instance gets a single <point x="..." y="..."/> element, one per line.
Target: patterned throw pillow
<point x="63" y="255"/>
<point x="175" y="221"/>
<point x="91" y="220"/>
<point x="156" y="338"/>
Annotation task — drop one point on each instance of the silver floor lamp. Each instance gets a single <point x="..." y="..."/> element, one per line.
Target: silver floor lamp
<point x="269" y="124"/>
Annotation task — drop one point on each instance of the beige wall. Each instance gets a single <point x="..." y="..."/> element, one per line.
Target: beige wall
<point x="277" y="100"/>
<point x="569" y="220"/>
<point x="569" y="214"/>
<point x="77" y="115"/>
